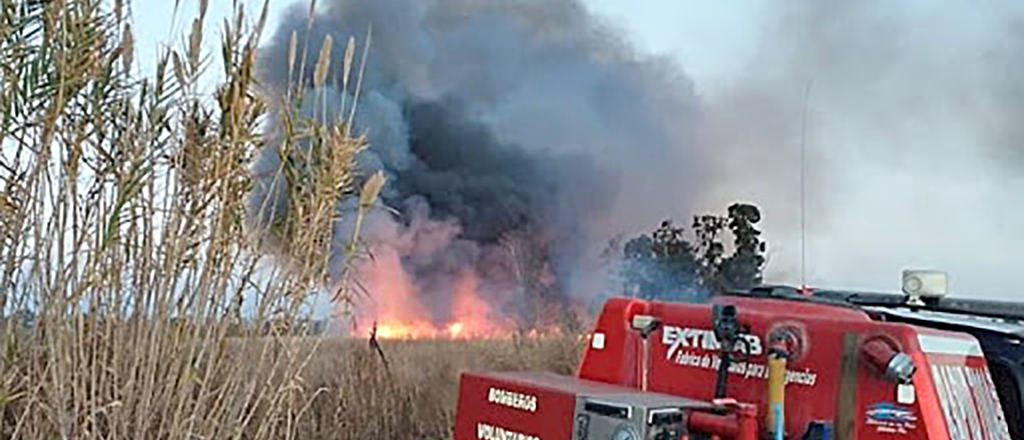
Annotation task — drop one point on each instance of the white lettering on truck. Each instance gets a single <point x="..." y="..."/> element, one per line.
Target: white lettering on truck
<point x="697" y="348"/>
<point x="524" y="402"/>
<point x="488" y="432"/>
<point x="677" y="338"/>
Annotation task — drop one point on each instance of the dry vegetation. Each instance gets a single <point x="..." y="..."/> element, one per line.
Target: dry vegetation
<point x="135" y="292"/>
<point x="414" y="396"/>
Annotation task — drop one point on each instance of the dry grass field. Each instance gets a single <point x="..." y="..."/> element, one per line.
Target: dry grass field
<point x="414" y="397"/>
<point x="342" y="388"/>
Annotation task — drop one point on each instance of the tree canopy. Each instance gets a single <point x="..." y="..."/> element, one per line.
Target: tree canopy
<point x="670" y="264"/>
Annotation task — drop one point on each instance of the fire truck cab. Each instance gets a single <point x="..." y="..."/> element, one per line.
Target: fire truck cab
<point x="773" y="362"/>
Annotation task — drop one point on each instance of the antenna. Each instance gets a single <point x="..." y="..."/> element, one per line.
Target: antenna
<point x="803" y="191"/>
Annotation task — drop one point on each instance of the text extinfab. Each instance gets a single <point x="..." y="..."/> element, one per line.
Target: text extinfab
<point x="511" y="399"/>
<point x="678" y="337"/>
<point x="691" y="346"/>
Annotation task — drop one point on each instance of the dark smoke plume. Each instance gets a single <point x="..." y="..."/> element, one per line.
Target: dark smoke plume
<point x="497" y="119"/>
<point x="537" y="119"/>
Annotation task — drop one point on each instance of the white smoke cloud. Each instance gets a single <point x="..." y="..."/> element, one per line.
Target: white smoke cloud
<point x="913" y="141"/>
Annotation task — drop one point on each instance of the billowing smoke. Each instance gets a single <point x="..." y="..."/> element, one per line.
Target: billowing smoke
<point x="521" y="135"/>
<point x="518" y="136"/>
<point x="914" y="141"/>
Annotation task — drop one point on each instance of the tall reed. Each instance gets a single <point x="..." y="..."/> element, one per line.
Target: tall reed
<point x="133" y="283"/>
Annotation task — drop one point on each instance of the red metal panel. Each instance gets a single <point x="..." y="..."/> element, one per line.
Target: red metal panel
<point x="684" y="357"/>
<point x="616" y="361"/>
<point x="511" y="407"/>
<point x="963" y="387"/>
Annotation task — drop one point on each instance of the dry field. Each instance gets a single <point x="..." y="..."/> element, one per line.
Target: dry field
<point x="414" y="397"/>
<point x="326" y="387"/>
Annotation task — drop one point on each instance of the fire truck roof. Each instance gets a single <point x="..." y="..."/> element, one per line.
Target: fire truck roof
<point x="1012" y="328"/>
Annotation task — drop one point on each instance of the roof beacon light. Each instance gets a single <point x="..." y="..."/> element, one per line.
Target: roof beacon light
<point x="924" y="284"/>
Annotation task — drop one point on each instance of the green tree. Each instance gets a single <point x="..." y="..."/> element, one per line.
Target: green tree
<point x="666" y="265"/>
<point x="744" y="268"/>
<point x="660" y="265"/>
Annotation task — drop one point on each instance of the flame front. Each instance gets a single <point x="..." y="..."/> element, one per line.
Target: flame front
<point x="397" y="313"/>
<point x="420" y="286"/>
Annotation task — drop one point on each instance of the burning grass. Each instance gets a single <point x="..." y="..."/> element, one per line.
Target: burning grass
<point x="139" y="299"/>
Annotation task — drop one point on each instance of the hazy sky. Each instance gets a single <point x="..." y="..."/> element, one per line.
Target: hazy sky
<point x="709" y="38"/>
<point x="909" y="185"/>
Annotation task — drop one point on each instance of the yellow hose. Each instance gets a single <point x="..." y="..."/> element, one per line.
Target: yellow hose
<point x="777" y="395"/>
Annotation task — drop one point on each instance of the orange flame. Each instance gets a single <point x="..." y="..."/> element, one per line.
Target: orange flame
<point x="395" y="310"/>
<point x="398" y="314"/>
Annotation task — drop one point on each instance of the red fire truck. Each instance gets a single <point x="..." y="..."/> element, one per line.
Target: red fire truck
<point x="774" y="362"/>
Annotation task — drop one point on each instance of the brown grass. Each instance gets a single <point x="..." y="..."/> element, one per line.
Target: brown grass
<point x="414" y="398"/>
<point x="348" y="390"/>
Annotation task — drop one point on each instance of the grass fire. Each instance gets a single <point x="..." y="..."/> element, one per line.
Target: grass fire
<point x="305" y="219"/>
<point x="164" y="248"/>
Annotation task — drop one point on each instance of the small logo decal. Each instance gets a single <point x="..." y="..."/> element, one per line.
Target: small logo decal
<point x="891" y="418"/>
